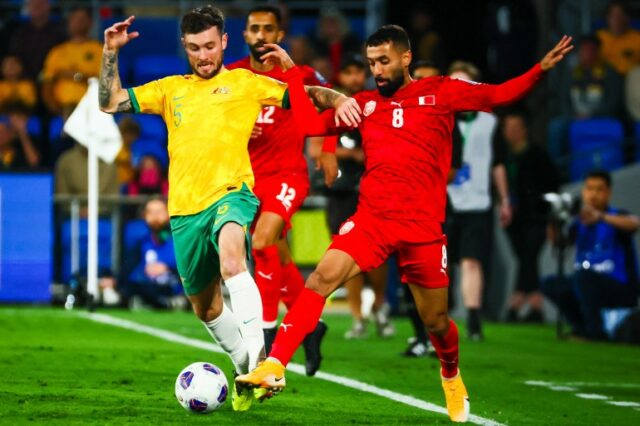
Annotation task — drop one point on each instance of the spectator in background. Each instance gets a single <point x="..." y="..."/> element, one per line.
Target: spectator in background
<point x="334" y="39"/>
<point x="17" y="150"/>
<point x="150" y="271"/>
<point x="620" y="44"/>
<point x="426" y="43"/>
<point x="149" y="178"/>
<point x="595" y="89"/>
<point x="33" y="39"/>
<point x="16" y="91"/>
<point x="424" y="69"/>
<point x="632" y="93"/>
<point x="511" y="29"/>
<point x="530" y="174"/>
<point x="69" y="65"/>
<point x="470" y="222"/>
<point x="606" y="267"/>
<point x="343" y="200"/>
<point x="71" y="177"/>
<point x="130" y="131"/>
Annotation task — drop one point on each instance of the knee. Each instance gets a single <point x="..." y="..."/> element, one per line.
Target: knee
<point x="207" y="313"/>
<point x="230" y="267"/>
<point x="436" y="323"/>
<point x="259" y="241"/>
<point x="322" y="283"/>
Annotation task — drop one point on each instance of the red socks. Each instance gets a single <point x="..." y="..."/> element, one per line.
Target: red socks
<point x="301" y="320"/>
<point x="447" y="350"/>
<point x="291" y="285"/>
<point x="268" y="275"/>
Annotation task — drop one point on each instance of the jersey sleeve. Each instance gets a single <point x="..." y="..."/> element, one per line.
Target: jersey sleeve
<point x="464" y="95"/>
<point x="270" y="92"/>
<point x="51" y="65"/>
<point x="148" y="98"/>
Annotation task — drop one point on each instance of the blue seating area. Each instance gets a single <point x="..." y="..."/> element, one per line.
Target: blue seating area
<point x="595" y="144"/>
<point x="104" y="247"/>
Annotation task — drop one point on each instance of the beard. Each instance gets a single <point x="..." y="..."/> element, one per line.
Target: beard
<point x="391" y="86"/>
<point x="253" y="49"/>
<point x="215" y="68"/>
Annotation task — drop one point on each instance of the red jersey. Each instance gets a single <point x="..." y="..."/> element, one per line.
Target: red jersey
<point x="407" y="141"/>
<point x="280" y="148"/>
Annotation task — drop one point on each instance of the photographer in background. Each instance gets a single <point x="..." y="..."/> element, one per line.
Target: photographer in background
<point x="606" y="267"/>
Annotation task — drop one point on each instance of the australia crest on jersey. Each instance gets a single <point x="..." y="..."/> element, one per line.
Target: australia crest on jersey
<point x="369" y="107"/>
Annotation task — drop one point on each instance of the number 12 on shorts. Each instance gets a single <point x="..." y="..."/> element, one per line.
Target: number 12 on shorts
<point x="286" y="195"/>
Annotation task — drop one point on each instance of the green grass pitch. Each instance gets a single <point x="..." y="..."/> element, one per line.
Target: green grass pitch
<point x="57" y="367"/>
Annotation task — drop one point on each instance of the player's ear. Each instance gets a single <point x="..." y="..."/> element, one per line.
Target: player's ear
<point x="406" y="58"/>
<point x="280" y="36"/>
<point x="225" y="38"/>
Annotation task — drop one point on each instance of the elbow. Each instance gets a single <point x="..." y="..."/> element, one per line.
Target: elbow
<point x="107" y="108"/>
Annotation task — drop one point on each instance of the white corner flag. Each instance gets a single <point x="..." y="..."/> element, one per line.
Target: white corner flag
<point x="98" y="132"/>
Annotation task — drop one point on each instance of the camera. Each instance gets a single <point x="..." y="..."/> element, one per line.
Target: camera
<point x="563" y="205"/>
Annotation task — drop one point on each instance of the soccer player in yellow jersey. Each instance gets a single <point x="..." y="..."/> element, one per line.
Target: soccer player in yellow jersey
<point x="209" y="116"/>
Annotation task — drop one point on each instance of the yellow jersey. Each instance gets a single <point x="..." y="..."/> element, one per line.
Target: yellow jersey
<point x="71" y="57"/>
<point x="621" y="52"/>
<point x="209" y="123"/>
<point x="21" y="92"/>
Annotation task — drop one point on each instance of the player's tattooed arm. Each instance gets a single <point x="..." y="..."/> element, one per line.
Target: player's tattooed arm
<point x="347" y="109"/>
<point x="111" y="96"/>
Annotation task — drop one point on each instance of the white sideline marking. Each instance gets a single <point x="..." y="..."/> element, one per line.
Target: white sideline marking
<point x="563" y="388"/>
<point x="624" y="403"/>
<point x="296" y="368"/>
<point x="592" y="396"/>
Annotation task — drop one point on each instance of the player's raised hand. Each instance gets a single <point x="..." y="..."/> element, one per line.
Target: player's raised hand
<point x="117" y="35"/>
<point x="348" y="112"/>
<point x="556" y="54"/>
<point x="276" y="55"/>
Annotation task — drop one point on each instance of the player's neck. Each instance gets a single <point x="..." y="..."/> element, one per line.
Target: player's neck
<point x="260" y="66"/>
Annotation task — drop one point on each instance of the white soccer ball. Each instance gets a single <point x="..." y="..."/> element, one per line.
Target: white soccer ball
<point x="201" y="387"/>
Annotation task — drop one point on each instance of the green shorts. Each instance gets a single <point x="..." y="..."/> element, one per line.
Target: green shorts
<point x="195" y="237"/>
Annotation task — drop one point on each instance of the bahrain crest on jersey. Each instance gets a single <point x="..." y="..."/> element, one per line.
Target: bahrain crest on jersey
<point x="369" y="107"/>
<point x="347" y="226"/>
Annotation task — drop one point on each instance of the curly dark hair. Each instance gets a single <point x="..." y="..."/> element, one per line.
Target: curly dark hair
<point x="201" y="19"/>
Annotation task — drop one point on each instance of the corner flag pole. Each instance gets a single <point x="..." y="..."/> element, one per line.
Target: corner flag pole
<point x="92" y="252"/>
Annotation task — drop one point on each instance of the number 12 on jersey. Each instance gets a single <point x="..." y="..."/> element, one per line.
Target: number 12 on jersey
<point x="266" y="115"/>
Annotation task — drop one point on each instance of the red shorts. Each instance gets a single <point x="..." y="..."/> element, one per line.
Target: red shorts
<point x="282" y="195"/>
<point x="420" y="247"/>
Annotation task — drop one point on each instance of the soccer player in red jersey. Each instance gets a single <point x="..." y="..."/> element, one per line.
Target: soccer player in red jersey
<point x="276" y="149"/>
<point x="406" y="130"/>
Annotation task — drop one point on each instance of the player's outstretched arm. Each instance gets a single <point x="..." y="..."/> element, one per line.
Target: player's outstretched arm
<point x="347" y="109"/>
<point x="112" y="97"/>
<point x="516" y="88"/>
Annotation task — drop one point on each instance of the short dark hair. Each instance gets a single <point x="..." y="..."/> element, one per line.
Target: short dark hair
<point x="86" y="10"/>
<point x="267" y="9"/>
<point x="617" y="3"/>
<point x="201" y="19"/>
<point x="600" y="174"/>
<point x="390" y="34"/>
<point x="590" y="38"/>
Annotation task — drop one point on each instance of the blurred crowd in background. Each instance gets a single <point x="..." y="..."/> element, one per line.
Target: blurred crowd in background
<point x="49" y="50"/>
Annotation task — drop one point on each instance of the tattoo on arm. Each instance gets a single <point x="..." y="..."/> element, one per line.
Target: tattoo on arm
<point x="323" y="97"/>
<point x="110" y="82"/>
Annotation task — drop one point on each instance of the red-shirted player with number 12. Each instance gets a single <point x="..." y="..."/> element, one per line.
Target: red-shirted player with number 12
<point x="406" y="133"/>
<point x="276" y="149"/>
